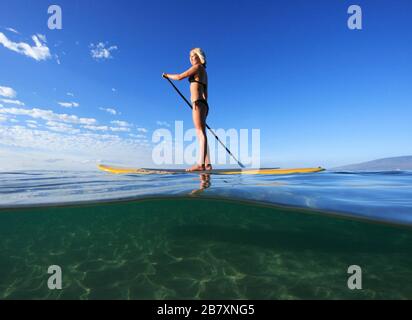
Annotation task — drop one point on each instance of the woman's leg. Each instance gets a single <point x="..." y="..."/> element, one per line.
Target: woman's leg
<point x="207" y="156"/>
<point x="199" y="111"/>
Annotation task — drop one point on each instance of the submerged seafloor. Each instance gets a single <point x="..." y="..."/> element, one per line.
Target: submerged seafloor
<point x="185" y="248"/>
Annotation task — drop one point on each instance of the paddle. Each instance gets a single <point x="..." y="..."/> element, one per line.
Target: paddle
<point x="217" y="138"/>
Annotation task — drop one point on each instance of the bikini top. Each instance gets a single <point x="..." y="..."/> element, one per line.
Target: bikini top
<point x="192" y="79"/>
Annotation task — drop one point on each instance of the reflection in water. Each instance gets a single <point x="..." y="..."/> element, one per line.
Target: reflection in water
<point x="205" y="183"/>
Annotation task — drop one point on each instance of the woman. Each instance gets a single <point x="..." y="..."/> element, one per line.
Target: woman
<point x="198" y="89"/>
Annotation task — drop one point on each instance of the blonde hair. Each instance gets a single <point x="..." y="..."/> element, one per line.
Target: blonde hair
<point x="200" y="53"/>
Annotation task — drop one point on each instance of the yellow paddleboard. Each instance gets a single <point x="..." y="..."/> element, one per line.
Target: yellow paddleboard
<point x="269" y="171"/>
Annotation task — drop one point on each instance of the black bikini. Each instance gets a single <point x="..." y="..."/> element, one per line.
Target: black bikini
<point x="192" y="79"/>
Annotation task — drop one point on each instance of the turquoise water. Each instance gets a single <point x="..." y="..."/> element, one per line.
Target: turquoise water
<point x="198" y="237"/>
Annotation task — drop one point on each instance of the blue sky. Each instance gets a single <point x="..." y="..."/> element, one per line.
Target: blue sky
<point x="321" y="94"/>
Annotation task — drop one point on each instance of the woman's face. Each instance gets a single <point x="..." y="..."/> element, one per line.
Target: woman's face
<point x="194" y="58"/>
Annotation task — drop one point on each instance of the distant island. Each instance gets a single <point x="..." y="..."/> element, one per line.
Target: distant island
<point x="387" y="164"/>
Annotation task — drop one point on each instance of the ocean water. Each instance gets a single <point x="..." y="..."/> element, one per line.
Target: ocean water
<point x="191" y="236"/>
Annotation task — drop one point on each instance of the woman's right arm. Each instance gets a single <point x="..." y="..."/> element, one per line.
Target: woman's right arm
<point x="188" y="73"/>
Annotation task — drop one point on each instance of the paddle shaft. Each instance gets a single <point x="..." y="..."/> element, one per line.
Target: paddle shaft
<point x="217" y="138"/>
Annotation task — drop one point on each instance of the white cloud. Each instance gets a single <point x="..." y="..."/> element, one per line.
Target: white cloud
<point x="8" y="101"/>
<point x="12" y="30"/>
<point x="100" y="52"/>
<point x="38" y="52"/>
<point x="114" y="90"/>
<point x="56" y="124"/>
<point x="63" y="136"/>
<point x="144" y="130"/>
<point x="121" y="123"/>
<point x="162" y="123"/>
<point x="48" y="115"/>
<point x="97" y="128"/>
<point x="88" y="145"/>
<point x="109" y="110"/>
<point x="137" y="136"/>
<point x="61" y="127"/>
<point x="107" y="128"/>
<point x="69" y="104"/>
<point x="7" y="92"/>
<point x="42" y="37"/>
<point x="119" y="129"/>
<point x="70" y="94"/>
<point x="29" y="149"/>
<point x="57" y="59"/>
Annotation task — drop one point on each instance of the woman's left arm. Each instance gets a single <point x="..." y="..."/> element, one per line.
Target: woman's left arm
<point x="188" y="73"/>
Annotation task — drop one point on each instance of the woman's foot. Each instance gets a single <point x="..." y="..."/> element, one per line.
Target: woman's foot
<point x="208" y="167"/>
<point x="196" y="167"/>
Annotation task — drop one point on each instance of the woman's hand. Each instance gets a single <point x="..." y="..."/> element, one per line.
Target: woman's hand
<point x="165" y="75"/>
